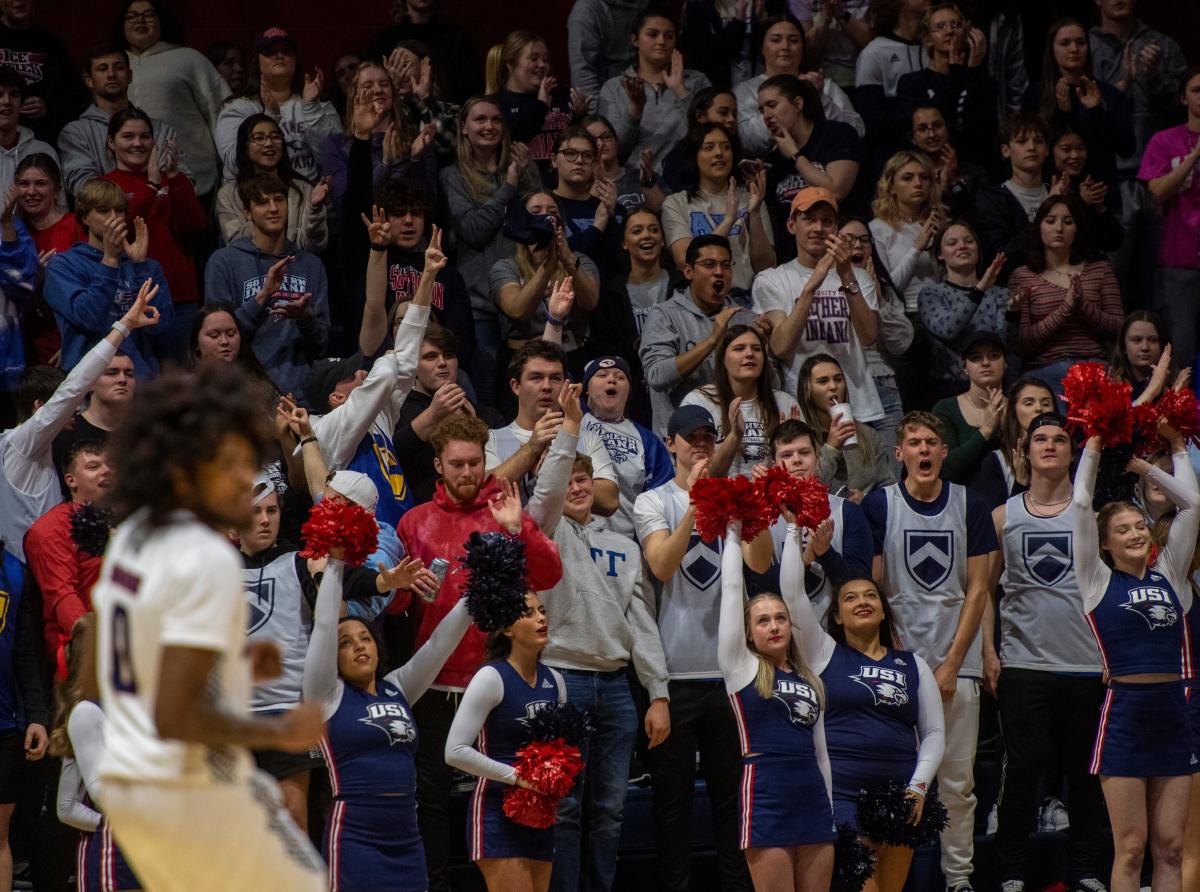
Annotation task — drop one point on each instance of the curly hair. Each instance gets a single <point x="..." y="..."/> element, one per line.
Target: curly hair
<point x="461" y="428"/>
<point x="176" y="423"/>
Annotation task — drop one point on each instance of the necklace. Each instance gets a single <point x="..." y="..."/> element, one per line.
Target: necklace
<point x="1034" y="501"/>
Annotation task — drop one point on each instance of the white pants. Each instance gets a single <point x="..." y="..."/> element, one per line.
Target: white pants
<point x="217" y="838"/>
<point x="956" y="782"/>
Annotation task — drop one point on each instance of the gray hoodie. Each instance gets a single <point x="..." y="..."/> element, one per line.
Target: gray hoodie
<point x="83" y="148"/>
<point x="672" y="328"/>
<point x="598" y="40"/>
<point x="285" y="347"/>
<point x="601" y="612"/>
<point x="26" y="145"/>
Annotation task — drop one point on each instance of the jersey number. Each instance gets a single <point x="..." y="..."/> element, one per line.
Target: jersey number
<point x="122" y="671"/>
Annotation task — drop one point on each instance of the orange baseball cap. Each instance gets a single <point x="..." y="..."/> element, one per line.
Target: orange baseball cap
<point x="810" y="196"/>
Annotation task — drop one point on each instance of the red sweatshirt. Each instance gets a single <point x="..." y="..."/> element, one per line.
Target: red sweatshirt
<point x="63" y="573"/>
<point x="172" y="213"/>
<point x="440" y="528"/>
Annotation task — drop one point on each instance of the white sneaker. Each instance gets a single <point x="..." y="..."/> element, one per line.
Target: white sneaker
<point x="1012" y="886"/>
<point x="1054" y="817"/>
<point x="993" y="820"/>
<point x="1090" y="884"/>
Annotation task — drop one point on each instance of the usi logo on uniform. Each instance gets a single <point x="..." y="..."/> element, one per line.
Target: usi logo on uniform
<point x="889" y="687"/>
<point x="1048" y="556"/>
<point x="801" y="701"/>
<point x="929" y="556"/>
<point x="393" y="720"/>
<point x="1154" y="605"/>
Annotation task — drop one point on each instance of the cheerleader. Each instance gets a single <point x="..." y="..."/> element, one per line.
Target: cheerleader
<point x="879" y="702"/>
<point x="487" y="731"/>
<point x="78" y="740"/>
<point x="1143" y="751"/>
<point x="370" y="742"/>
<point x="786" y="819"/>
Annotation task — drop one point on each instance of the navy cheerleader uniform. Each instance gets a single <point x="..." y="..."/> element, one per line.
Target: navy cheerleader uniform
<point x="1140" y="626"/>
<point x="1193" y="679"/>
<point x="883" y="718"/>
<point x="784" y="798"/>
<point x="99" y="864"/>
<point x="371" y="838"/>
<point x="488" y="729"/>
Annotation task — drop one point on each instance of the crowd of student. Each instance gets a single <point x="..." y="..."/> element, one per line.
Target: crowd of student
<point x="853" y="238"/>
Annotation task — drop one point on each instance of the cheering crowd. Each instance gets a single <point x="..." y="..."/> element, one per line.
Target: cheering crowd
<point x="490" y="291"/>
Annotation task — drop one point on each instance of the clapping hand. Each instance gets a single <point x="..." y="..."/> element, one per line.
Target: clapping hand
<point x="505" y="507"/>
<point x="313" y="85"/>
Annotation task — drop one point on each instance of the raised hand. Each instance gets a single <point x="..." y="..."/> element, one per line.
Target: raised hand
<point x="424" y="83"/>
<point x="580" y="104"/>
<point x="518" y="161"/>
<point x="273" y="280"/>
<point x="732" y="201"/>
<point x="721" y="322"/>
<point x="403" y="575"/>
<point x="400" y="64"/>
<point x="269" y="103"/>
<point x="434" y="258"/>
<point x="990" y="274"/>
<point x="505" y="507"/>
<point x="313" y="85"/>
<point x="320" y="192"/>
<point x="561" y="299"/>
<point x="821" y="538"/>
<point x="757" y="184"/>
<point x="365" y="117"/>
<point x="393" y="151"/>
<point x="674" y="76"/>
<point x="569" y="401"/>
<point x="1060" y="185"/>
<point x="170" y="159"/>
<point x="1093" y="192"/>
<point x="422" y="141"/>
<point x="698" y="471"/>
<point x="1149" y="60"/>
<point x="977" y="48"/>
<point x="1088" y="92"/>
<point x="993" y="412"/>
<point x="154" y="166"/>
<point x="113" y="240"/>
<point x="635" y="93"/>
<point x="734" y="418"/>
<point x="546" y="89"/>
<point x="379" y="230"/>
<point x="448" y="399"/>
<point x="837" y="246"/>
<point x="139" y="248"/>
<point x="1017" y="298"/>
<point x="1062" y="94"/>
<point x="141" y="313"/>
<point x="545" y="429"/>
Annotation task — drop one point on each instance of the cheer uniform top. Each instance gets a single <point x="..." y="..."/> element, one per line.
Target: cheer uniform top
<point x="883" y="718"/>
<point x="1140" y="628"/>
<point x="490" y="726"/>
<point x="100" y="865"/>
<point x="370" y="744"/>
<point x="784" y="797"/>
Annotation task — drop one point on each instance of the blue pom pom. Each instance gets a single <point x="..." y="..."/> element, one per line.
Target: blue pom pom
<point x="853" y="861"/>
<point x="566" y="720"/>
<point x="496" y="589"/>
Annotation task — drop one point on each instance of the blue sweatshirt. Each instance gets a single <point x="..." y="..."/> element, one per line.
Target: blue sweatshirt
<point x="285" y="347"/>
<point x="87" y="297"/>
<point x="18" y="273"/>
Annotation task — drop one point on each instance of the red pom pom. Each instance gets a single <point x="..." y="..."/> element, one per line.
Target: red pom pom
<point x="805" y="497"/>
<point x="551" y="766"/>
<point x="1098" y="405"/>
<point x="1178" y="409"/>
<point x="338" y="524"/>
<point x="721" y="500"/>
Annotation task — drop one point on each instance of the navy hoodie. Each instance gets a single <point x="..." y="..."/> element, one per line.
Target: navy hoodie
<point x="285" y="347"/>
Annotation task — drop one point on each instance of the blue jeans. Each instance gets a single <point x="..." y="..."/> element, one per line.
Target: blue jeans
<point x="893" y="412"/>
<point x="604" y="779"/>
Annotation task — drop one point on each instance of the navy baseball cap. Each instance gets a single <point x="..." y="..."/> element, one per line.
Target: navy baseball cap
<point x="324" y="375"/>
<point x="686" y="420"/>
<point x="272" y="37"/>
<point x="602" y="363"/>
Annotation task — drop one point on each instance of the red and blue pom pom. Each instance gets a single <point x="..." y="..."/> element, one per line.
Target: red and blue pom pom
<point x="550" y="763"/>
<point x="1097" y="405"/>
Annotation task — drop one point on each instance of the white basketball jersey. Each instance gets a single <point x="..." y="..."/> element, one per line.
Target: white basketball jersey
<point x="176" y="585"/>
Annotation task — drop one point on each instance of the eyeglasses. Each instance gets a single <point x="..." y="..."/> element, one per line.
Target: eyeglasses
<point x="606" y="136"/>
<point x="710" y="265"/>
<point x="135" y="18"/>
<point x="261" y="139"/>
<point x="947" y="26"/>
<point x="576" y="155"/>
<point x="935" y="127"/>
<point x="864" y="240"/>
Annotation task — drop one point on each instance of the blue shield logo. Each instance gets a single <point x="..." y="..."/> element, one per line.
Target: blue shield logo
<point x="929" y="556"/>
<point x="1048" y="556"/>
<point x="260" y="597"/>
<point x="702" y="562"/>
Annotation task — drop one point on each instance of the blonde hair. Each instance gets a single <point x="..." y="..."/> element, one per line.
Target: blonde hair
<point x="399" y="118"/>
<point x="885" y="206"/>
<point x="98" y="195"/>
<point x="479" y="182"/>
<point x="927" y="21"/>
<point x="764" y="680"/>
<point x="502" y="57"/>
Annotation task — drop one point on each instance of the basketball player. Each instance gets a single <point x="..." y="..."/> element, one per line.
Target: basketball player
<point x="187" y="806"/>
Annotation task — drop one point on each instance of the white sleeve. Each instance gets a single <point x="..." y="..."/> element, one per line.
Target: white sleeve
<point x="321" y="682"/>
<point x="738" y="664"/>
<point x="85" y="727"/>
<point x="409" y="335"/>
<point x="1091" y="572"/>
<point x="931" y="728"/>
<point x="491" y="453"/>
<point x="341" y="430"/>
<point x="70" y="807"/>
<point x="415" y="676"/>
<point x="815" y="643"/>
<point x="30" y="441"/>
<point x="823" y="755"/>
<point x="648" y="515"/>
<point x="602" y="463"/>
<point x="550" y="492"/>
<point x="208" y="595"/>
<point x="1176" y="557"/>
<point x="483" y="694"/>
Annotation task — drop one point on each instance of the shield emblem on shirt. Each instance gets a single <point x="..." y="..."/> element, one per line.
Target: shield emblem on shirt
<point x="702" y="562"/>
<point x="929" y="556"/>
<point x="1048" y="556"/>
<point x="260" y="598"/>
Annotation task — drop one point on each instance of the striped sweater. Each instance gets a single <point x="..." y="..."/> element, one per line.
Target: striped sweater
<point x="1051" y="331"/>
